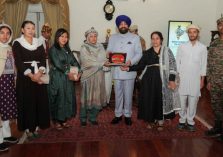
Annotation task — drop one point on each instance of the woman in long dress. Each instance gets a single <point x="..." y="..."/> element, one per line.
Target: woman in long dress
<point x="8" y="108"/>
<point x="158" y="98"/>
<point x="31" y="93"/>
<point x="93" y="94"/>
<point x="61" y="86"/>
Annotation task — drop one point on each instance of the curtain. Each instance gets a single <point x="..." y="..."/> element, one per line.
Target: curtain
<point x="56" y="13"/>
<point x="65" y="14"/>
<point x="53" y="1"/>
<point x="34" y="1"/>
<point x="2" y="10"/>
<point x="52" y="15"/>
<point x="15" y="14"/>
<point x="11" y="1"/>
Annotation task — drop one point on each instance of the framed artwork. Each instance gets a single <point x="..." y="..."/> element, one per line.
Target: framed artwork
<point x="177" y="34"/>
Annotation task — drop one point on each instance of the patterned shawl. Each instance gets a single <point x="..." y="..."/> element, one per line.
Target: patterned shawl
<point x="171" y="99"/>
<point x="92" y="59"/>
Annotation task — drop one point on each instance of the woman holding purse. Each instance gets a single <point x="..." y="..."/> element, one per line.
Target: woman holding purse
<point x="63" y="72"/>
<point x="31" y="93"/>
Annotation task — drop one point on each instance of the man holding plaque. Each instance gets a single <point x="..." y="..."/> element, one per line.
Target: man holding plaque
<point x="124" y="49"/>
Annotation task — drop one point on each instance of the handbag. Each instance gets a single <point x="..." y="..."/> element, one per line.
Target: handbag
<point x="74" y="70"/>
<point x="45" y="78"/>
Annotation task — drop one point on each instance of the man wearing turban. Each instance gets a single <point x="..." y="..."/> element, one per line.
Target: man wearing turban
<point x="124" y="42"/>
<point x="44" y="39"/>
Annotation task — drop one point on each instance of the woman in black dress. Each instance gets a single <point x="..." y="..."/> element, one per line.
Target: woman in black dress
<point x="156" y="98"/>
<point x="32" y="100"/>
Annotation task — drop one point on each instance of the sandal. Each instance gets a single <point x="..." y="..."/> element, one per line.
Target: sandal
<point x="66" y="125"/>
<point x="58" y="126"/>
<point x="32" y="135"/>
<point x="36" y="134"/>
<point x="150" y="126"/>
<point x="160" y="127"/>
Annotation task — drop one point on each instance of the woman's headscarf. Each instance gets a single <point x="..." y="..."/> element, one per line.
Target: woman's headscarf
<point x="90" y="31"/>
<point x="4" y="48"/>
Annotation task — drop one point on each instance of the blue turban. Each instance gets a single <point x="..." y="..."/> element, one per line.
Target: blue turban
<point x="124" y="18"/>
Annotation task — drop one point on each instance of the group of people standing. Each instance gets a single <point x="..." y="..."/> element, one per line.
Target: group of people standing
<point x="167" y="84"/>
<point x="26" y="92"/>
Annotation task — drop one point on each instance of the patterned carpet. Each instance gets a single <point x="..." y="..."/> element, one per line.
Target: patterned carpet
<point x="106" y="131"/>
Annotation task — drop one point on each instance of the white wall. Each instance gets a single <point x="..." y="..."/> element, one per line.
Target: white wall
<point x="149" y="16"/>
<point x="219" y="11"/>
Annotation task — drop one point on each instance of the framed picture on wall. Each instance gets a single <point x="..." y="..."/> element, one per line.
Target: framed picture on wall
<point x="177" y="34"/>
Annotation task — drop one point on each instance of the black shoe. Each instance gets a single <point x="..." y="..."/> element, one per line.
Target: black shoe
<point x="83" y="124"/>
<point x="216" y="130"/>
<point x="181" y="126"/>
<point x="3" y="147"/>
<point x="128" y="121"/>
<point x="93" y="122"/>
<point x="191" y="128"/>
<point x="11" y="140"/>
<point x="220" y="138"/>
<point x="213" y="132"/>
<point x="116" y="120"/>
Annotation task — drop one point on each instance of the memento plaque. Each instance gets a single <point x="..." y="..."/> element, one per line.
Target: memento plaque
<point x="117" y="58"/>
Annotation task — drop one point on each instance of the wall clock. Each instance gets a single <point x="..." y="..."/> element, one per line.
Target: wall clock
<point x="109" y="9"/>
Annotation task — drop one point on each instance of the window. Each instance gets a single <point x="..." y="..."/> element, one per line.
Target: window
<point x="35" y="14"/>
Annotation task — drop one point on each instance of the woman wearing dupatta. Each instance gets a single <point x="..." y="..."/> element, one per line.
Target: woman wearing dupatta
<point x="8" y="108"/>
<point x="158" y="98"/>
<point x="31" y="93"/>
<point x="93" y="94"/>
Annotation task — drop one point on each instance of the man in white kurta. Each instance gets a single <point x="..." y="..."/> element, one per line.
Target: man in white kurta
<point x="128" y="43"/>
<point x="191" y="65"/>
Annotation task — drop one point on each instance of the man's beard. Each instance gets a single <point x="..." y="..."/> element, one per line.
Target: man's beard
<point x="123" y="30"/>
<point x="193" y="38"/>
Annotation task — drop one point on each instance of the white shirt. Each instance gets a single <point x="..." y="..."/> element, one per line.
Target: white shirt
<point x="41" y="41"/>
<point x="191" y="65"/>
